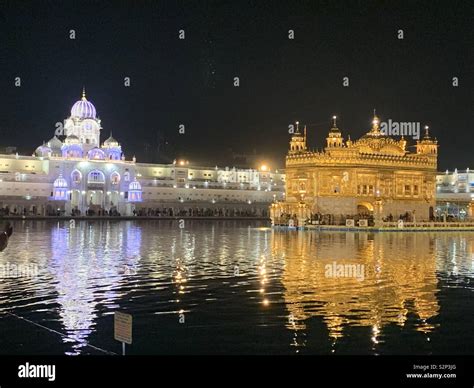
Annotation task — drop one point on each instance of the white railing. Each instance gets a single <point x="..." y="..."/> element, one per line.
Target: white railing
<point x="458" y="224"/>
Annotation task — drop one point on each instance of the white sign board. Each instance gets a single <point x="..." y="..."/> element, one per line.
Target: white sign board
<point x="123" y="327"/>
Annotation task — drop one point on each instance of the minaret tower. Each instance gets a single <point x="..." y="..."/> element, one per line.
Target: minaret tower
<point x="334" y="138"/>
<point x="298" y="140"/>
<point x="427" y="145"/>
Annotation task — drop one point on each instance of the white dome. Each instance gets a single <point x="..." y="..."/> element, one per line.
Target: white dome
<point x="43" y="150"/>
<point x="83" y="109"/>
<point x="111" y="142"/>
<point x="55" y="143"/>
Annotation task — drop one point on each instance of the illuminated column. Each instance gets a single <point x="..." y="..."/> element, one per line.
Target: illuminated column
<point x="302" y="213"/>
<point x="470" y="209"/>
<point x="378" y="209"/>
<point x="273" y="212"/>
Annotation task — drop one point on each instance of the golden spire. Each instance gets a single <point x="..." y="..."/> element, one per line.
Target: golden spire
<point x="297" y="127"/>
<point x="84" y="93"/>
<point x="375" y="122"/>
<point x="334" y="118"/>
<point x="427" y="132"/>
<point x="403" y="143"/>
<point x="349" y="141"/>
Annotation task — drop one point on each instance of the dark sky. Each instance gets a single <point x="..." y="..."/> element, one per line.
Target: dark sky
<point x="191" y="81"/>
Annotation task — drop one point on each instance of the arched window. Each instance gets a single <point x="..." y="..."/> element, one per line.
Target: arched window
<point x="96" y="176"/>
<point x="115" y="178"/>
<point x="126" y="176"/>
<point x="76" y="177"/>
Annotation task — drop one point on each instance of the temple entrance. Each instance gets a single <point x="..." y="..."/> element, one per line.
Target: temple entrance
<point x="95" y="197"/>
<point x="114" y="198"/>
<point x="75" y="198"/>
<point x="365" y="209"/>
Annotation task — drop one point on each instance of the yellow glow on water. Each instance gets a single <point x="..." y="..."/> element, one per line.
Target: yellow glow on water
<point x="404" y="266"/>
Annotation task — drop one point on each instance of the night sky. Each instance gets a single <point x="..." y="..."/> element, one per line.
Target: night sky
<point x="191" y="81"/>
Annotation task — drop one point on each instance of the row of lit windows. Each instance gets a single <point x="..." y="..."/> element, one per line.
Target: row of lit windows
<point x="16" y="189"/>
<point x="365" y="189"/>
<point x="99" y="177"/>
<point x="402" y="190"/>
<point x="197" y="194"/>
<point x="408" y="190"/>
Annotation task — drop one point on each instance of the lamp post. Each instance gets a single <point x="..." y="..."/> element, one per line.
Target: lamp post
<point x="273" y="212"/>
<point x="302" y="208"/>
<point x="378" y="209"/>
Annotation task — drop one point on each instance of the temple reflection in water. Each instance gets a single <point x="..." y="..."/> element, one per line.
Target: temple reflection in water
<point x="86" y="272"/>
<point x="245" y="286"/>
<point x="400" y="278"/>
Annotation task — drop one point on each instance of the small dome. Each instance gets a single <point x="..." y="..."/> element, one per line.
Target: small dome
<point x="43" y="150"/>
<point x="55" y="143"/>
<point x="111" y="142"/>
<point x="60" y="182"/>
<point x="135" y="185"/>
<point x="83" y="109"/>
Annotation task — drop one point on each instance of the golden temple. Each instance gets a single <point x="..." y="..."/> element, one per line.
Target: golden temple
<point x="374" y="176"/>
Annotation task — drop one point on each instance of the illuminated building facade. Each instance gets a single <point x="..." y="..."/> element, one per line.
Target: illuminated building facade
<point x="75" y="173"/>
<point x="455" y="194"/>
<point x="374" y="175"/>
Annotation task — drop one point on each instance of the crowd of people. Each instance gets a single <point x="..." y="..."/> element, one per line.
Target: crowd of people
<point x="140" y="212"/>
<point x="199" y="212"/>
<point x="324" y="219"/>
<point x="340" y="219"/>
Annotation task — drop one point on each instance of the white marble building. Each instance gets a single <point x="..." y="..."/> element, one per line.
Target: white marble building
<point x="455" y="193"/>
<point x="79" y="174"/>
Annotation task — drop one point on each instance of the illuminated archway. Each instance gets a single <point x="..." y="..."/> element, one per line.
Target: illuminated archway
<point x="365" y="208"/>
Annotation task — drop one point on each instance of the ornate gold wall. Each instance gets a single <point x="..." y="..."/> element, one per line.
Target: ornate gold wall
<point x="374" y="174"/>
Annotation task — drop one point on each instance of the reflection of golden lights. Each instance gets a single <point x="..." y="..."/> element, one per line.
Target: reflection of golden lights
<point x="375" y="334"/>
<point x="262" y="271"/>
<point x="400" y="278"/>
